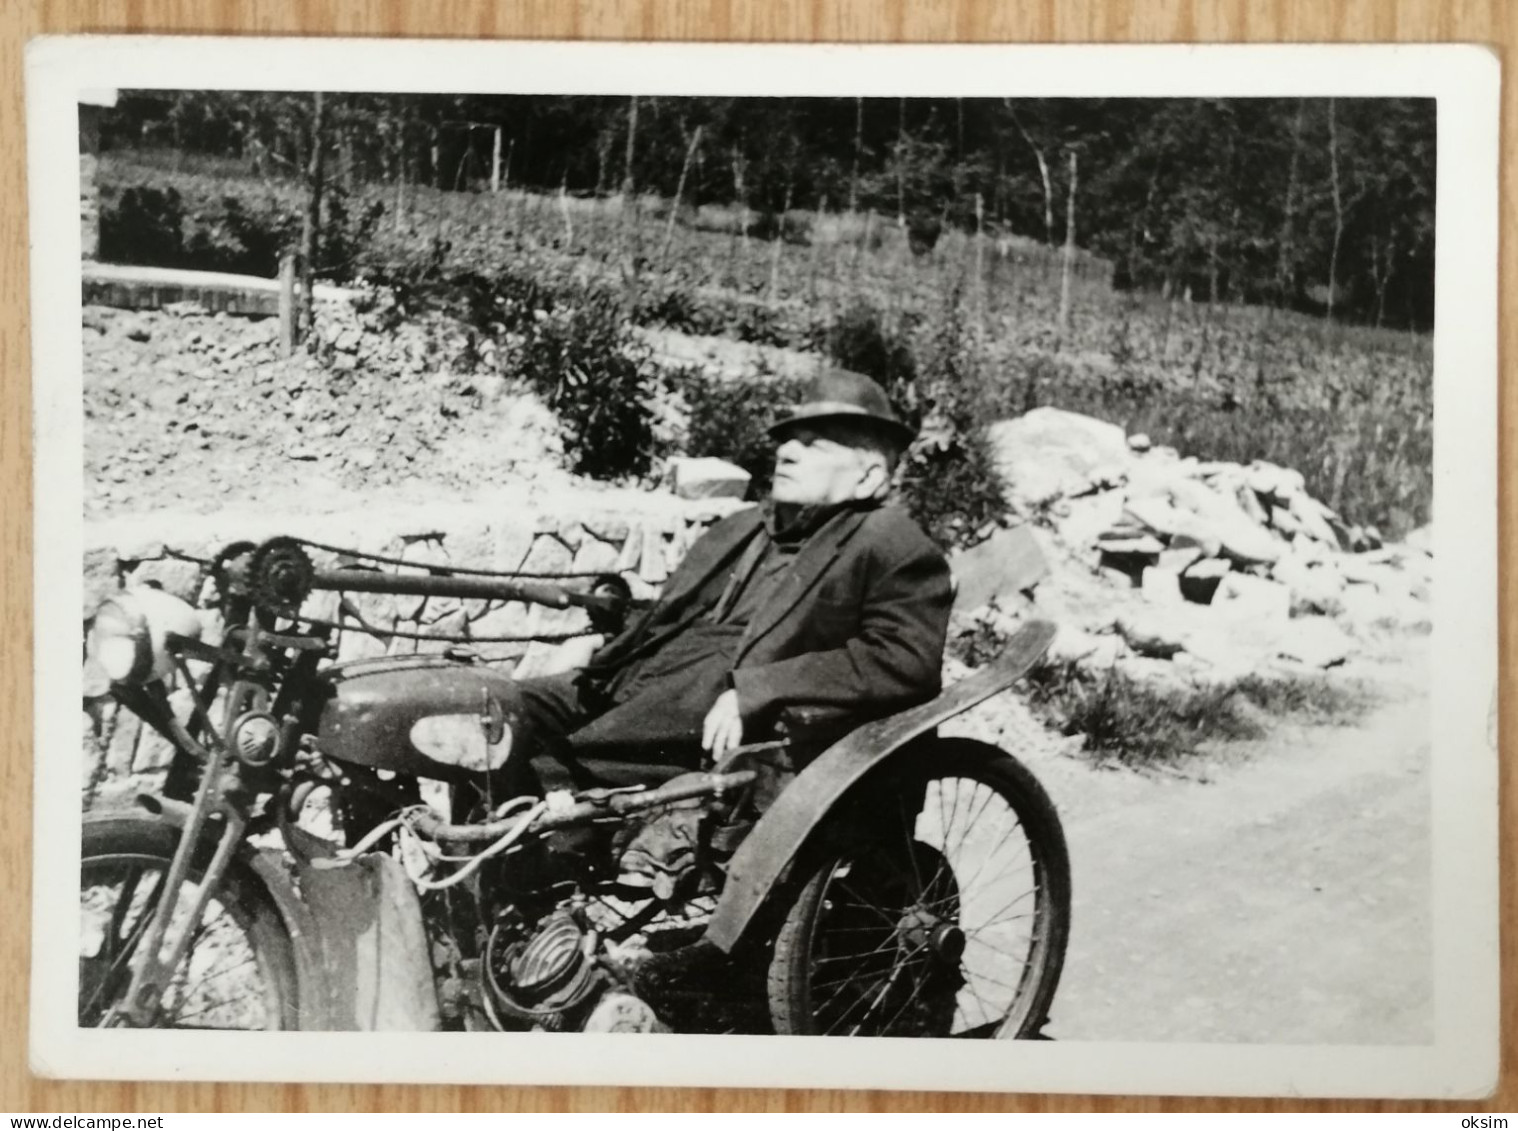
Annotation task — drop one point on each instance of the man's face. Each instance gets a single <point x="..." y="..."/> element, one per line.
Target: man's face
<point x="822" y="462"/>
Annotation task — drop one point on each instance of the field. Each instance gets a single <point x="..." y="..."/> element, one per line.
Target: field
<point x="975" y="321"/>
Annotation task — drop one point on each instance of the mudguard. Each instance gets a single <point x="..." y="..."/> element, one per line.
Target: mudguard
<point x="376" y="964"/>
<point x="314" y="1004"/>
<point x="768" y="850"/>
<point x="361" y="959"/>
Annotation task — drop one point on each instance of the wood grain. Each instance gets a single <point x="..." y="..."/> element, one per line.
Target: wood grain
<point x="1487" y="21"/>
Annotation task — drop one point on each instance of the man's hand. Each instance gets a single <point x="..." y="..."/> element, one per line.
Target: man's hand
<point x="723" y="728"/>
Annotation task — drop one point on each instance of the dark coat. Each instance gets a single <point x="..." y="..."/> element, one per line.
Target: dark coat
<point x="859" y="623"/>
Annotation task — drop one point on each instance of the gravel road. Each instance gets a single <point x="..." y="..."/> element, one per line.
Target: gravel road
<point x="1285" y="900"/>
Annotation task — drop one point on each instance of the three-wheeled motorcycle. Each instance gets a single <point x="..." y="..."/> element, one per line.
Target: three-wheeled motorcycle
<point x="327" y="850"/>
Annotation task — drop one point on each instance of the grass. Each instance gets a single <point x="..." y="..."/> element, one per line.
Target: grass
<point x="1124" y="722"/>
<point x="1350" y="407"/>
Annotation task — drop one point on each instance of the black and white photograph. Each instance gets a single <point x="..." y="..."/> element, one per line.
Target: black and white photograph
<point x="597" y="561"/>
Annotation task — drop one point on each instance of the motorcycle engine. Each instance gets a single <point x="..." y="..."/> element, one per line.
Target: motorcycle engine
<point x="546" y="976"/>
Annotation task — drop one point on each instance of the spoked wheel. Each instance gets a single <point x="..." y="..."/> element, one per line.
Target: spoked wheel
<point x="239" y="970"/>
<point x="948" y="917"/>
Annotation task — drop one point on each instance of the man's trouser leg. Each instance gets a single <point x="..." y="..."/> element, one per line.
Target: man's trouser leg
<point x="553" y="707"/>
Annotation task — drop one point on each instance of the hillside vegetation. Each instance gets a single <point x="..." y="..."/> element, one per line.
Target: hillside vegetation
<point x="968" y="331"/>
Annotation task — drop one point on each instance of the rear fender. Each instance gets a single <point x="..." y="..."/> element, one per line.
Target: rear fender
<point x="761" y="860"/>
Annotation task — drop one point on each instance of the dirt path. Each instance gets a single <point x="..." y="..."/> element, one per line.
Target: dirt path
<point x="1286" y="900"/>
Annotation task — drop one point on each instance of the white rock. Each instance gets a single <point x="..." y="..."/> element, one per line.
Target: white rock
<point x="1235" y="647"/>
<point x="1155" y="515"/>
<point x="1000" y="568"/>
<point x="1315" y="586"/>
<point x="1103" y="656"/>
<point x="1190" y="495"/>
<point x="1140" y="442"/>
<point x="1088" y="517"/>
<point x="1282" y="520"/>
<point x="1361" y="569"/>
<point x="1119" y="543"/>
<point x="1071" y="643"/>
<point x="1363" y="607"/>
<point x="1250" y="504"/>
<point x="1162" y="585"/>
<point x="1248" y="544"/>
<point x="1197" y="537"/>
<point x="594" y="556"/>
<point x="1209" y="568"/>
<point x="1153" y="672"/>
<point x="1149" y="634"/>
<point x="1312" y="518"/>
<point x="1050" y="453"/>
<point x="1315" y="641"/>
<point x="1178" y="558"/>
<point x="1242" y="594"/>
<point x="706" y="477"/>
<point x="1279" y="483"/>
<point x="652" y="565"/>
<point x="101" y="578"/>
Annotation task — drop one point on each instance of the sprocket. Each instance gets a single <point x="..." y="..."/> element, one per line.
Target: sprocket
<point x="230" y="583"/>
<point x="280" y="575"/>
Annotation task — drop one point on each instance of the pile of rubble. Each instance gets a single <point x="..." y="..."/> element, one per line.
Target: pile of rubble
<point x="1182" y="569"/>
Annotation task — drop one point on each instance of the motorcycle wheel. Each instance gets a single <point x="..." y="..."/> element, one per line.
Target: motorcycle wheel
<point x="239" y="971"/>
<point x="947" y="918"/>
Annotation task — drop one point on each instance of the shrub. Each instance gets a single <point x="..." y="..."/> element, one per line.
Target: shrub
<point x="923" y="230"/>
<point x="860" y="340"/>
<point x="953" y="486"/>
<point x="581" y="358"/>
<point x="143" y="225"/>
<point x="195" y="224"/>
<point x="731" y="419"/>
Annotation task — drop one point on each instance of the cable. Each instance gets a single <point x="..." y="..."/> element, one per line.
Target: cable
<point x="505" y="841"/>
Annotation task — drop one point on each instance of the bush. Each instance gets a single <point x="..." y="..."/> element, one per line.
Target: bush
<point x="861" y="341"/>
<point x="731" y="419"/>
<point x="193" y="224"/>
<point x="144" y="225"/>
<point x="581" y="358"/>
<point x="954" y="488"/>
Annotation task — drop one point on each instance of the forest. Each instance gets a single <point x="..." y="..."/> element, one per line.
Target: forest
<point x="1324" y="206"/>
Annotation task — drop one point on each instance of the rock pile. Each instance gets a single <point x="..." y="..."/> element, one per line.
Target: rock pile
<point x="1204" y="570"/>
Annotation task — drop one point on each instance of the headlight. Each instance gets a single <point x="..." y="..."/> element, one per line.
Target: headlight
<point x="130" y="630"/>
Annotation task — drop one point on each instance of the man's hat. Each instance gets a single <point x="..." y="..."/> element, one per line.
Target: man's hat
<point x="840" y="394"/>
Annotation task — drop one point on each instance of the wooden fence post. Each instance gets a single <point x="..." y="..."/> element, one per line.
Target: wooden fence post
<point x="286" y="304"/>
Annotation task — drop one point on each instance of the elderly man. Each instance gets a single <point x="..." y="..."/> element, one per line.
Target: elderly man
<point x="823" y="597"/>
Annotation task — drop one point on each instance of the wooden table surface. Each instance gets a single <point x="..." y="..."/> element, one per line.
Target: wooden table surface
<point x="1494" y="22"/>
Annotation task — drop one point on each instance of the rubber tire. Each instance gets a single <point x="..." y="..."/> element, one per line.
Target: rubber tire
<point x="242" y="895"/>
<point x="788" y="969"/>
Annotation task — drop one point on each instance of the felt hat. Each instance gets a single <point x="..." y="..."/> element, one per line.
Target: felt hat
<point x="838" y="394"/>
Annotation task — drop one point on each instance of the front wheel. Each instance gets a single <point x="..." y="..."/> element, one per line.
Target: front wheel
<point x="239" y="970"/>
<point x="943" y="909"/>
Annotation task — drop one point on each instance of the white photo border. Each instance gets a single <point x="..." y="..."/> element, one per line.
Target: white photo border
<point x="1462" y="1061"/>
